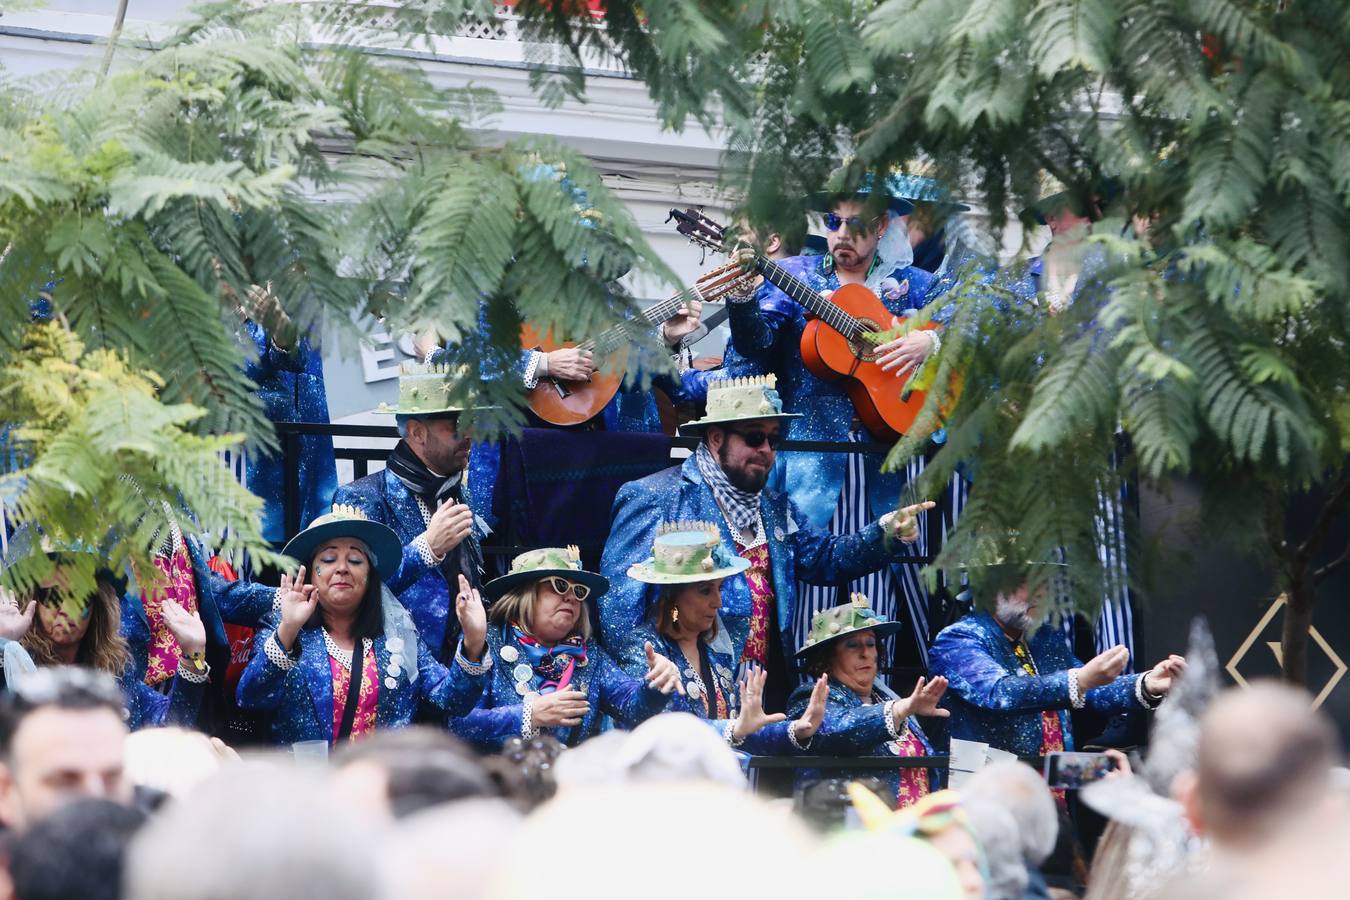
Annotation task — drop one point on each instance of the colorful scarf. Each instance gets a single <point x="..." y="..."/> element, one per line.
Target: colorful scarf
<point x="556" y="664"/>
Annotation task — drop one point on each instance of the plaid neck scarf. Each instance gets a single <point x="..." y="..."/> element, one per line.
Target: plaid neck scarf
<point x="741" y="507"/>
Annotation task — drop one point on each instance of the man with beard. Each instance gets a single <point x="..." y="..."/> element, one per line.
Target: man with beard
<point x="422" y="496"/>
<point x="724" y="481"/>
<point x="867" y="245"/>
<point x="1012" y="683"/>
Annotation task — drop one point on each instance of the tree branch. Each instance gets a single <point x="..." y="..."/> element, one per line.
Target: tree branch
<point x="1335" y="505"/>
<point x="1330" y="568"/>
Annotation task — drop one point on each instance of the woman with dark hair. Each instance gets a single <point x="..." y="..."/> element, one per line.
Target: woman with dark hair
<point x="55" y="629"/>
<point x="343" y="657"/>
<point x="688" y="565"/>
<point x="862" y="716"/>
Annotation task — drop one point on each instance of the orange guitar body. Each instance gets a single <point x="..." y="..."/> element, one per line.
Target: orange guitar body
<point x="876" y="395"/>
<point x="573" y="402"/>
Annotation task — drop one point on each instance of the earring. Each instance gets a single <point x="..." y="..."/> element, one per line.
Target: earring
<point x="674" y="615"/>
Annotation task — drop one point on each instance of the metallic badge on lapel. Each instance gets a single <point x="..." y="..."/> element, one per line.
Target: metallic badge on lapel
<point x="508" y="653"/>
<point x="778" y="534"/>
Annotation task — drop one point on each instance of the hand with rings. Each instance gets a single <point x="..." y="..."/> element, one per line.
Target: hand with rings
<point x="472" y="620"/>
<point x="904" y="522"/>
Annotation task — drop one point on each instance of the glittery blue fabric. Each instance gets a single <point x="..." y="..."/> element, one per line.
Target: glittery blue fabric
<point x="609" y="690"/>
<point x="797" y="551"/>
<point x="292" y="390"/>
<point x="766" y="336"/>
<point x="148" y="708"/>
<point x="991" y="697"/>
<point x="421" y="588"/>
<point x="854" y="728"/>
<point x="300" y="701"/>
<point x="771" y="740"/>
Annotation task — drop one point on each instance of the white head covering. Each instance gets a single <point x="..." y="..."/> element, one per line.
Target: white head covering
<point x="893" y="252"/>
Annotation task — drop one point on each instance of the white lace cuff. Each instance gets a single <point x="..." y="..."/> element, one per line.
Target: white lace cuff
<point x="188" y="672"/>
<point x="792" y="737"/>
<point x="1146" y="700"/>
<point x="527" y="729"/>
<point x="896" y="733"/>
<point x="473" y="668"/>
<point x="532" y="369"/>
<point x="423" y="549"/>
<point x="936" y="339"/>
<point x="277" y="655"/>
<point x="1076" y="698"/>
<point x="729" y="734"/>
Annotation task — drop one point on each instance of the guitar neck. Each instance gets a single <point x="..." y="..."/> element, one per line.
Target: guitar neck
<point x="818" y="306"/>
<point x="654" y="315"/>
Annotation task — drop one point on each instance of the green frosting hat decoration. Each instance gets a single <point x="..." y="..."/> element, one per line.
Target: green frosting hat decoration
<point x="740" y="400"/>
<point x="845" y="619"/>
<point x="687" y="553"/>
<point x="426" y="390"/>
<point x="546" y="562"/>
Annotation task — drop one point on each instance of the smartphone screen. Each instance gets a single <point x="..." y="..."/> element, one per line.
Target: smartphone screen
<point x="1069" y="771"/>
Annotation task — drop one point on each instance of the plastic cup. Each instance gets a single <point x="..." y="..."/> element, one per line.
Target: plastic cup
<point x="310" y="752"/>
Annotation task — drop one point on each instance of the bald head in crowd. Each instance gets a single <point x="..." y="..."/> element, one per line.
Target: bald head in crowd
<point x="1264" y="756"/>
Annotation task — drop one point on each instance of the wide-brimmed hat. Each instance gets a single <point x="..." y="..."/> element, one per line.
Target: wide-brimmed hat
<point x="824" y="201"/>
<point x="924" y="189"/>
<point x="1054" y="194"/>
<point x="857" y="615"/>
<point x="687" y="553"/>
<point x="349" y="522"/>
<point x="546" y="562"/>
<point x="426" y="391"/>
<point x="740" y="400"/>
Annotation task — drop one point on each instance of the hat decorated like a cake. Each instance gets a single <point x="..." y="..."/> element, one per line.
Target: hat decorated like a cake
<point x="740" y="400"/>
<point x="427" y="390"/>
<point x="686" y="553"/>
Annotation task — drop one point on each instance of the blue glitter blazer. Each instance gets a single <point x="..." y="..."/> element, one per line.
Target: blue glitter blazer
<point x="766" y="335"/>
<point x="290" y="385"/>
<point x="419" y="583"/>
<point x="854" y="728"/>
<point x="797" y="551"/>
<point x="993" y="700"/>
<point x="610" y="691"/>
<point x="300" y="700"/>
<point x="771" y="740"/>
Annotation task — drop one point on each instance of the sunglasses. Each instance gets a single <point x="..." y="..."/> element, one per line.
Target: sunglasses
<point x="756" y="439"/>
<point x="561" y="586"/>
<point x="833" y="222"/>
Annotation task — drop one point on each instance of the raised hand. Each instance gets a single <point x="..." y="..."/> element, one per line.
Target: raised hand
<point x="1103" y="668"/>
<point x="185" y="626"/>
<point x="677" y="326"/>
<point x="752" y="716"/>
<point x="905" y="352"/>
<point x="814" y="716"/>
<point x="472" y="620"/>
<point x="661" y="672"/>
<point x="570" y="364"/>
<point x="297" y="605"/>
<point x="923" y="701"/>
<point x="14" y="624"/>
<point x="566" y="707"/>
<point x="450" y="524"/>
<point x="1159" y="680"/>
<point x="904" y="522"/>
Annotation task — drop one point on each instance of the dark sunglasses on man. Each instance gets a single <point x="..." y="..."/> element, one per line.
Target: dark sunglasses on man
<point x="755" y="439"/>
<point x="855" y="224"/>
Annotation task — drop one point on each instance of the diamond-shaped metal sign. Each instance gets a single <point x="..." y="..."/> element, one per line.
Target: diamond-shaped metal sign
<point x="1338" y="665"/>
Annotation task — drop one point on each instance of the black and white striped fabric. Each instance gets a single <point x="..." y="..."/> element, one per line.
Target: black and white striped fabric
<point x="888" y="592"/>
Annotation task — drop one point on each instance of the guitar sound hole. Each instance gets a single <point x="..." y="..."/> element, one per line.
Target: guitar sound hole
<point x="863" y="349"/>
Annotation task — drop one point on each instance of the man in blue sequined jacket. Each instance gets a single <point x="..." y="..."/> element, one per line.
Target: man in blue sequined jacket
<point x="724" y="481"/>
<point x="421" y="495"/>
<point x="1012" y="683"/>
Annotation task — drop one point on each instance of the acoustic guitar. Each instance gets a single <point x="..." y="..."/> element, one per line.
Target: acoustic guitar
<point x="561" y="402"/>
<point x="834" y="345"/>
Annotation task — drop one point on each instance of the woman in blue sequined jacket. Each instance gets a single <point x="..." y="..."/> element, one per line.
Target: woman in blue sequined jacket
<point x="305" y="669"/>
<point x="548" y="676"/>
<point x="688" y="565"/>
<point x="862" y="717"/>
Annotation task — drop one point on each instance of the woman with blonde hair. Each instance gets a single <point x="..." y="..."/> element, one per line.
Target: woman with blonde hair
<point x="549" y="676"/>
